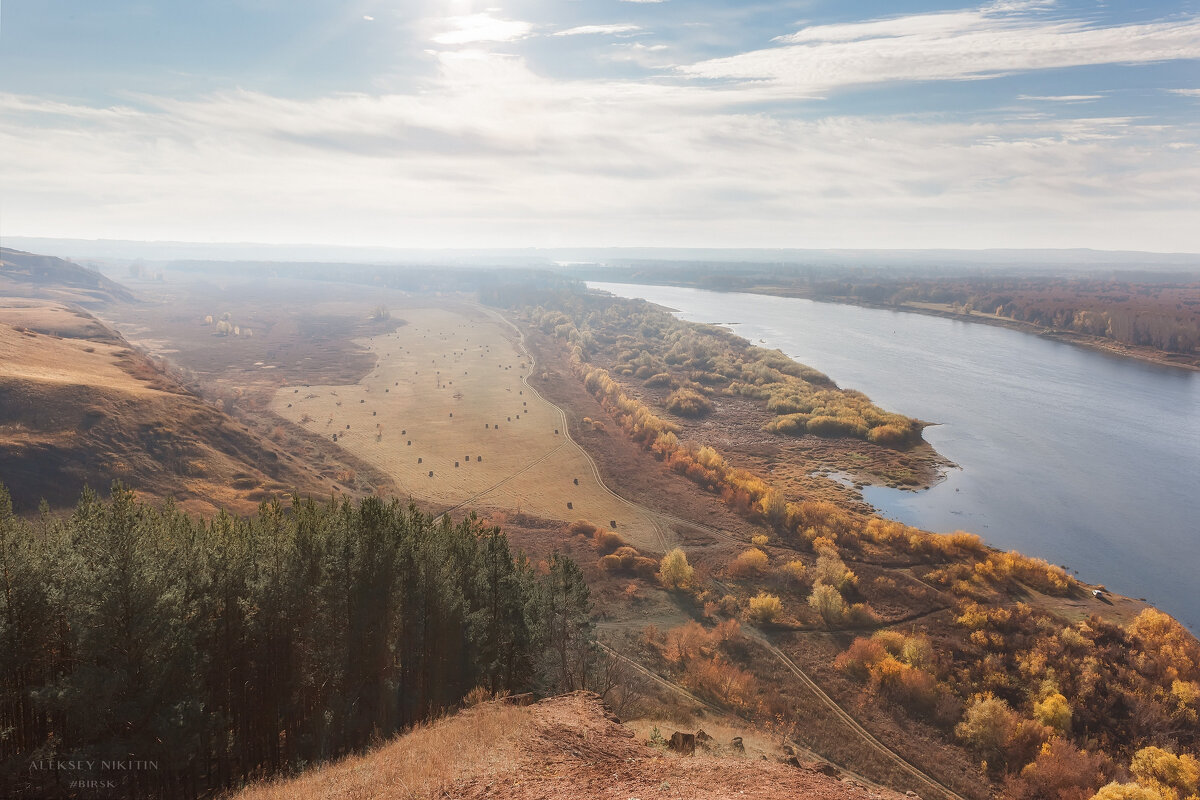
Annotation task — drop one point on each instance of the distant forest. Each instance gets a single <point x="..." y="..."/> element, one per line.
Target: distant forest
<point x="1143" y="309"/>
<point x="205" y="654"/>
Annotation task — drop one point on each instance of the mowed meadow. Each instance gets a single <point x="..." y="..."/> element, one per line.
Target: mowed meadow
<point x="447" y="414"/>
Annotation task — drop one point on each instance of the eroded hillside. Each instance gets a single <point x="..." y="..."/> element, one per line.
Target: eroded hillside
<point x="79" y="406"/>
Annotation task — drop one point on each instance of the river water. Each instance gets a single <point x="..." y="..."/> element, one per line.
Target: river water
<point x="1086" y="459"/>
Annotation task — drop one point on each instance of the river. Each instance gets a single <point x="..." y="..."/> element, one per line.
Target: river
<point x="1086" y="459"/>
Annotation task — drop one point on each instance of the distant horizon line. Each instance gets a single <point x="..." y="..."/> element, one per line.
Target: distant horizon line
<point x="586" y="247"/>
<point x="9" y="240"/>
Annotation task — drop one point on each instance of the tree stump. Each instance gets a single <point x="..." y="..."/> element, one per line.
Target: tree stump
<point x="683" y="743"/>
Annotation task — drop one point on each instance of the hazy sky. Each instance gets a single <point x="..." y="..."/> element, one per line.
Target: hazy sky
<point x="420" y="123"/>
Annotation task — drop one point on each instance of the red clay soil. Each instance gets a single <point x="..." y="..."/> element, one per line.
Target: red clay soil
<point x="577" y="750"/>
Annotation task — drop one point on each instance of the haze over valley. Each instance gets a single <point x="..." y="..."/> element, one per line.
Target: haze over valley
<point x="616" y="399"/>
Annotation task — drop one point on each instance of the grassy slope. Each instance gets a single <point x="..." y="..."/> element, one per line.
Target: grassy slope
<point x="79" y="407"/>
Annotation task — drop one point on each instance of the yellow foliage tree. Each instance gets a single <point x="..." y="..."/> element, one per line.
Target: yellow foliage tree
<point x="828" y="602"/>
<point x="1126" y="791"/>
<point x="1053" y="711"/>
<point x="1171" y="775"/>
<point x="764" y="608"/>
<point x="832" y="570"/>
<point x="674" y="572"/>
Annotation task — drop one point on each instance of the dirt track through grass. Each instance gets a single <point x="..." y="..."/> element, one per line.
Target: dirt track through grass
<point x="448" y="397"/>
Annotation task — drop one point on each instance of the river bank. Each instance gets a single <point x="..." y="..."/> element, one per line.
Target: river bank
<point x="947" y="311"/>
<point x="1063" y="453"/>
<point x="1099" y="343"/>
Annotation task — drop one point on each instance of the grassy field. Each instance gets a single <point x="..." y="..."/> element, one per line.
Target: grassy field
<point x="446" y="413"/>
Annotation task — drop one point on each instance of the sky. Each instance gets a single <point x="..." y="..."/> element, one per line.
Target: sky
<point x="555" y="123"/>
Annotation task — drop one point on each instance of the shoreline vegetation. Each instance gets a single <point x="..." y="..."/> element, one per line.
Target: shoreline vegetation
<point x="1085" y="315"/>
<point x="947" y="311"/>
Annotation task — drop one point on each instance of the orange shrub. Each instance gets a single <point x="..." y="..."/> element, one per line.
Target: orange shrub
<point x="860" y="657"/>
<point x="626" y="559"/>
<point x="888" y="435"/>
<point x="607" y="541"/>
<point x="722" y="681"/>
<point x="749" y="562"/>
<point x="1061" y="771"/>
<point x="820" y="515"/>
<point x="688" y="403"/>
<point x="582" y="526"/>
<point x="686" y="642"/>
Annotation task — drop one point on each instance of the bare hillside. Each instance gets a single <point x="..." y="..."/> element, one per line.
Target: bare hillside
<point x="31" y="275"/>
<point x="79" y="406"/>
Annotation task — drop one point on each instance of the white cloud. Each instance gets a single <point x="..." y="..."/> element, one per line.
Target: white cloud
<point x="475" y="28"/>
<point x="986" y="42"/>
<point x="601" y="29"/>
<point x="488" y="152"/>
<point x="1061" y="98"/>
<point x="491" y="153"/>
<point x="1186" y="92"/>
<point x="651" y="56"/>
<point x="643" y="1"/>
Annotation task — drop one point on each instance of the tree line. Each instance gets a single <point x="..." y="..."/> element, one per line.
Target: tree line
<point x="196" y="655"/>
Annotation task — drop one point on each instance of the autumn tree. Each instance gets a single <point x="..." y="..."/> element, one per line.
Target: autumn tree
<point x="674" y="571"/>
<point x="827" y="601"/>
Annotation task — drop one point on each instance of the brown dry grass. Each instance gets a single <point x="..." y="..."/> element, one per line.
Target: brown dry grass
<point x="450" y="383"/>
<point x="31" y="349"/>
<point x="422" y="763"/>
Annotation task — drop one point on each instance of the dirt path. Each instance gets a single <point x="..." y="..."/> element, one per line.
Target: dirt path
<point x="671" y="685"/>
